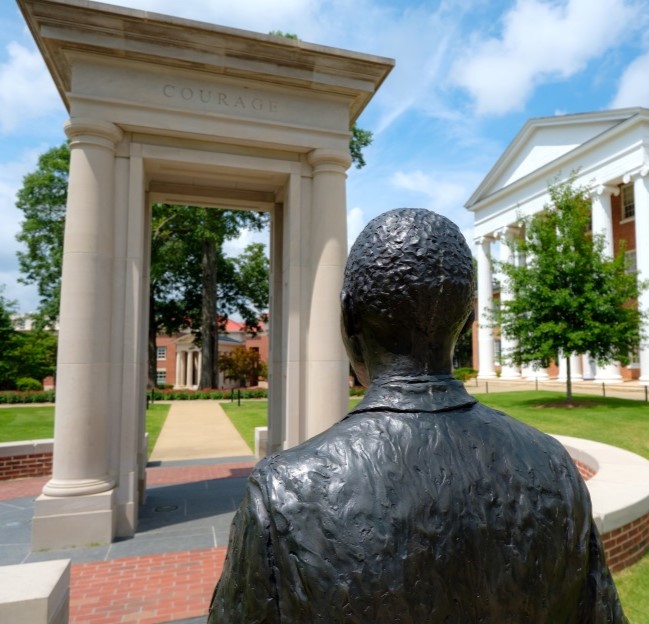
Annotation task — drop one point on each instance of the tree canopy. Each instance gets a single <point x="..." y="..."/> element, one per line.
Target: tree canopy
<point x="569" y="297"/>
<point x="24" y="354"/>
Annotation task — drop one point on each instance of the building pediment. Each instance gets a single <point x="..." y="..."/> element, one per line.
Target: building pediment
<point x="544" y="141"/>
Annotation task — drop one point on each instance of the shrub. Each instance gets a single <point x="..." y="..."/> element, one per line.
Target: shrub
<point x="12" y="396"/>
<point x="464" y="374"/>
<point x="25" y="384"/>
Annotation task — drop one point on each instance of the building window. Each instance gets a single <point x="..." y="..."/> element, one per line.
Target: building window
<point x="498" y="351"/>
<point x="631" y="264"/>
<point x="628" y="202"/>
<point x="161" y="377"/>
<point x="161" y="353"/>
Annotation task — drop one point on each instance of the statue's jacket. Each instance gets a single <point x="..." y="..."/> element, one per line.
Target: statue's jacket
<point x="421" y="505"/>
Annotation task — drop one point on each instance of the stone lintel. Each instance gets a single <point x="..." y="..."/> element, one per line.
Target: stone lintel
<point x="61" y="26"/>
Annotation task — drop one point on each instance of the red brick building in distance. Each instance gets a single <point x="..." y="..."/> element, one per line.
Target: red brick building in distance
<point x="178" y="359"/>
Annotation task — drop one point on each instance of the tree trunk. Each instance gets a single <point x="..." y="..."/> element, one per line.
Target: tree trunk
<point x="152" y="364"/>
<point x="568" y="380"/>
<point x="209" y="377"/>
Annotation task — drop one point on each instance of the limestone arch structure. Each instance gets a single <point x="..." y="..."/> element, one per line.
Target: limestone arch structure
<point x="164" y="109"/>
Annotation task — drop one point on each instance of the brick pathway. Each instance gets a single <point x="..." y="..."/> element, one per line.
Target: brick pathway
<point x="145" y="590"/>
<point x="150" y="589"/>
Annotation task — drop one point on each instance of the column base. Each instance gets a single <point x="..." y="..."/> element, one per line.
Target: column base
<point x="510" y="374"/>
<point x="66" y="522"/>
<point x="487" y="375"/>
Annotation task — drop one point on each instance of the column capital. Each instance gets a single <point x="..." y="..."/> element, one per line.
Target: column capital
<point x="604" y="190"/>
<point x="509" y="231"/>
<point x="97" y="132"/>
<point x="325" y="159"/>
<point x="632" y="176"/>
<point x="486" y="239"/>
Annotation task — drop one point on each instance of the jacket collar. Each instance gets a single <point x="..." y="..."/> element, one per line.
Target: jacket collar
<point x="415" y="394"/>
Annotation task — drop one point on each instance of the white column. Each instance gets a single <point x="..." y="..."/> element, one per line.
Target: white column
<point x="177" y="383"/>
<point x="641" y="192"/>
<point x="575" y="368"/>
<point x="485" y="306"/>
<point x="603" y="225"/>
<point x="78" y="503"/>
<point x="587" y="367"/>
<point x="190" y="369"/>
<point x="82" y="416"/>
<point x="327" y="366"/>
<point x="509" y="370"/>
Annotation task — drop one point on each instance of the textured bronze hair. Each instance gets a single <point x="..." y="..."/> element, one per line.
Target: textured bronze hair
<point x="410" y="271"/>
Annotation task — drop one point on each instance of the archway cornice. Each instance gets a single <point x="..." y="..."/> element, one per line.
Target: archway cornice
<point x="61" y="27"/>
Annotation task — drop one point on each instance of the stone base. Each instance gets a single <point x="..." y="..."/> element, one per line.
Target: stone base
<point x="38" y="593"/>
<point x="261" y="442"/>
<point x="66" y="522"/>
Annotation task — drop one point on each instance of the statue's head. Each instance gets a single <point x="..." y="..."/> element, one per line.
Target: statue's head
<point x="407" y="294"/>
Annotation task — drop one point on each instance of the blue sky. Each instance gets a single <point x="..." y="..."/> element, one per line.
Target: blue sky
<point x="468" y="74"/>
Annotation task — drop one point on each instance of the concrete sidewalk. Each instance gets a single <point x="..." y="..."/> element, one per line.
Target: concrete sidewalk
<point x="198" y="430"/>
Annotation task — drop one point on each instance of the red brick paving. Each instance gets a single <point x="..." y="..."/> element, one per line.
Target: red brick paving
<point x="150" y="589"/>
<point x="146" y="590"/>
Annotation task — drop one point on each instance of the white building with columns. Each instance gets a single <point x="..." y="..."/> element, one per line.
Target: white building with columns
<point x="606" y="151"/>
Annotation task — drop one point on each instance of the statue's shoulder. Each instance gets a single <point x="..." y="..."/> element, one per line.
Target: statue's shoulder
<point x="327" y="457"/>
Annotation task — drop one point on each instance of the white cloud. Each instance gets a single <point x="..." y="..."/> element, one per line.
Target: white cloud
<point x="633" y="89"/>
<point x="27" y="91"/>
<point x="540" y="42"/>
<point x="236" y="246"/>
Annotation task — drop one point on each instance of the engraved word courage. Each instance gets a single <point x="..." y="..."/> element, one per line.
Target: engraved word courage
<point x="219" y="98"/>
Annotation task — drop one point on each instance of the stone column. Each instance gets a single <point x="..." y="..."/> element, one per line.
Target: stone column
<point x="575" y="368"/>
<point x="82" y="417"/>
<point x="177" y="383"/>
<point x="485" y="305"/>
<point x="327" y="366"/>
<point x="190" y="369"/>
<point x="641" y="192"/>
<point x="509" y="369"/>
<point x="602" y="225"/>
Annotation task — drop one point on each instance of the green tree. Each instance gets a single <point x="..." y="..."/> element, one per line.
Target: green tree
<point x="8" y="340"/>
<point x="242" y="365"/>
<point x="193" y="284"/>
<point x="184" y="239"/>
<point x="42" y="198"/>
<point x="35" y="353"/>
<point x="569" y="296"/>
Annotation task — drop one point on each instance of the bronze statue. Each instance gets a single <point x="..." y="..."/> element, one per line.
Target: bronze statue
<point x="421" y="505"/>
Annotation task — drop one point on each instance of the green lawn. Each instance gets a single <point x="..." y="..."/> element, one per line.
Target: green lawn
<point x="37" y="423"/>
<point x="619" y="422"/>
<point x="26" y="423"/>
<point x="246" y="417"/>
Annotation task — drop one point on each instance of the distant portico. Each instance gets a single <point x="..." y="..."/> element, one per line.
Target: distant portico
<point x="606" y="151"/>
<point x="170" y="110"/>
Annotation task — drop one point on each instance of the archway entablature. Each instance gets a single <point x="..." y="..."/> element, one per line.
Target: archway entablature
<point x="66" y="29"/>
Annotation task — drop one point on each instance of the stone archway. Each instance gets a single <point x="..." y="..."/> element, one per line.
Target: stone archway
<point x="164" y="109"/>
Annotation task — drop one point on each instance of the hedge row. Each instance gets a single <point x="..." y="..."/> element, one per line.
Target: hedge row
<point x="36" y="396"/>
<point x="169" y="394"/>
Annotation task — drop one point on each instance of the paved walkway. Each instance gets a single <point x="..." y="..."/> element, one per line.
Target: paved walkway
<point x="167" y="571"/>
<point x="198" y="430"/>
